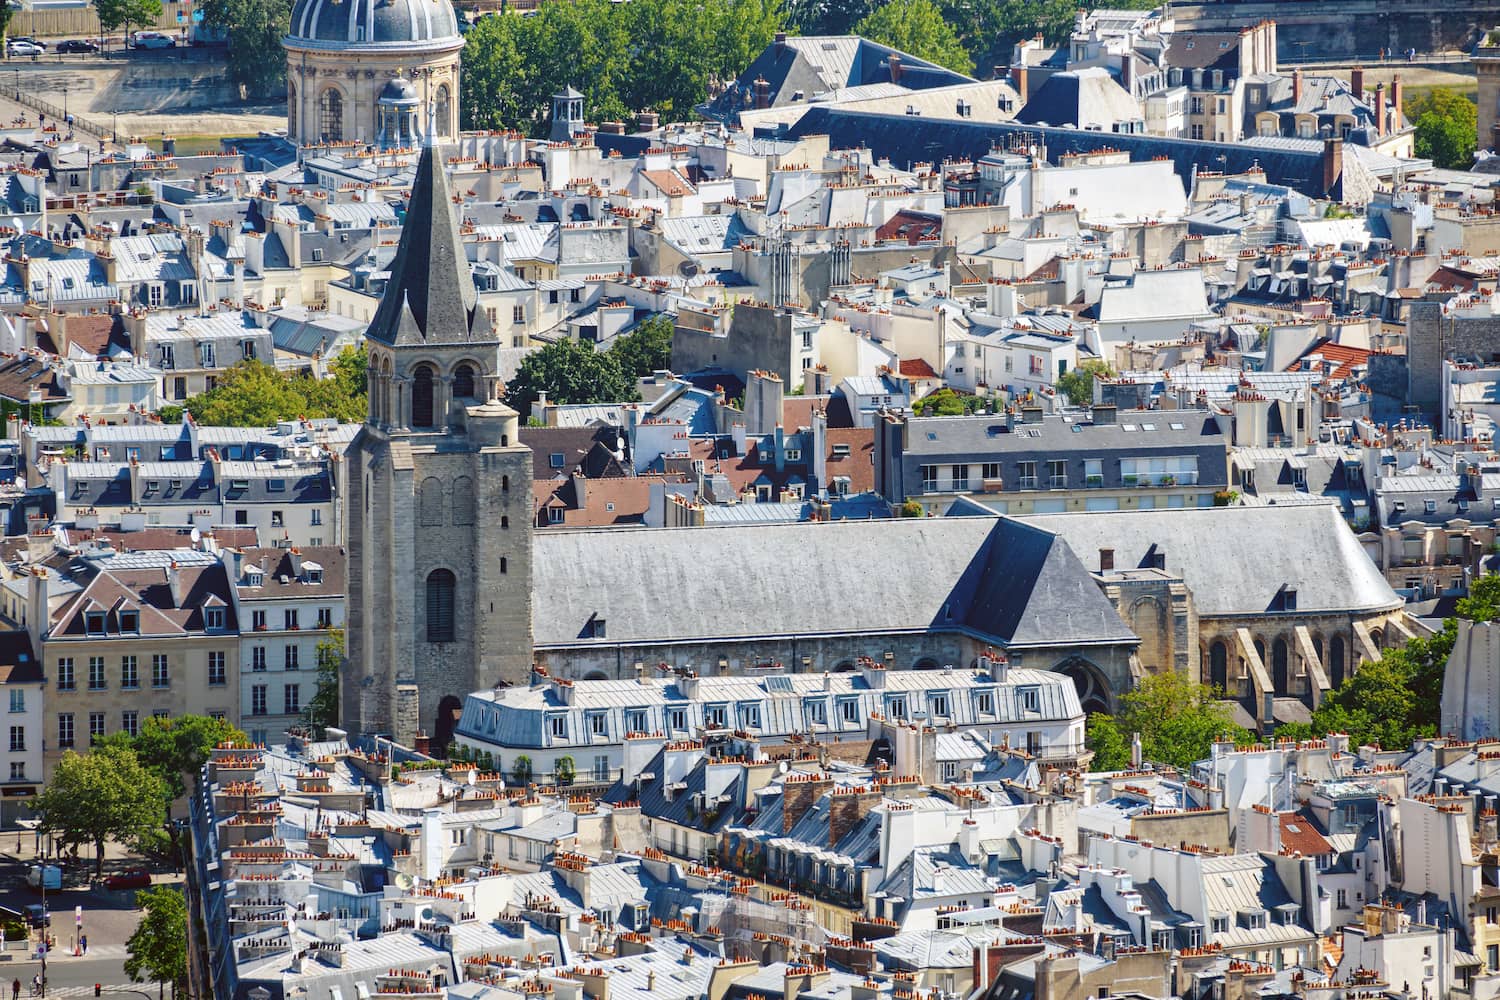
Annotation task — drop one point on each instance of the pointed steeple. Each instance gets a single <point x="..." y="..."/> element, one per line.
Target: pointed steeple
<point x="430" y="297"/>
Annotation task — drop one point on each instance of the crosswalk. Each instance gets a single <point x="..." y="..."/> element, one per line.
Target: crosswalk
<point x="87" y="991"/>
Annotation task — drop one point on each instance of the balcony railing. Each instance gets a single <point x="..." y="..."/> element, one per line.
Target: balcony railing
<point x="1057" y="482"/>
<point x="1026" y="483"/>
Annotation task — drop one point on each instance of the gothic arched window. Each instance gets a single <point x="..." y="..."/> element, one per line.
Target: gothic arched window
<point x="421" y="397"/>
<point x="430" y="502"/>
<point x="441" y="597"/>
<point x="331" y="116"/>
<point x="463" y="381"/>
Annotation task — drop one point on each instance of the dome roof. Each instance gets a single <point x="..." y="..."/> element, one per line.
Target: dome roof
<point x="352" y="23"/>
<point x="398" y="90"/>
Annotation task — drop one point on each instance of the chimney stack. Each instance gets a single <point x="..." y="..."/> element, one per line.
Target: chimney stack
<point x="1333" y="163"/>
<point x="1018" y="81"/>
<point x="1357" y="83"/>
<point x="895" y="64"/>
<point x="1297" y="85"/>
<point x="1396" y="96"/>
<point x="1379" y="108"/>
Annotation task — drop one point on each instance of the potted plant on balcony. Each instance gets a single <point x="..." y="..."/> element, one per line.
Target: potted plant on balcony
<point x="1169" y="480"/>
<point x="1129" y="480"/>
<point x="1093" y="481"/>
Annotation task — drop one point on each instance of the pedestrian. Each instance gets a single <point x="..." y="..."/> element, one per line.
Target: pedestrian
<point x="83" y="942"/>
<point x="15" y="989"/>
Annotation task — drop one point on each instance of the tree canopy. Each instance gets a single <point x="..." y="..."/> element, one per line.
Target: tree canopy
<point x="947" y="403"/>
<point x="254" y="28"/>
<point x="513" y="65"/>
<point x="255" y="394"/>
<point x="569" y="371"/>
<point x="1447" y="128"/>
<point x="323" y="709"/>
<point x="1178" y="721"/>
<point x="1078" y="383"/>
<point x="102" y="795"/>
<point x="170" y="748"/>
<point x="917" y="27"/>
<point x="646" y="349"/>
<point x="157" y="950"/>
<point x="114" y="14"/>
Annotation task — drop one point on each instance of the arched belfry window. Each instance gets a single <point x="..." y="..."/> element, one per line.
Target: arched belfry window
<point x="441" y="598"/>
<point x="422" y="397"/>
<point x="442" y="110"/>
<point x="463" y="381"/>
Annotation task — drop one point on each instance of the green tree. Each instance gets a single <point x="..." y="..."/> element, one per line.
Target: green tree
<point x="947" y="403"/>
<point x="157" y="951"/>
<point x="1178" y="722"/>
<point x="912" y="508"/>
<point x="255" y="394"/>
<point x="1078" y="383"/>
<point x="102" y="795"/>
<point x="170" y="748"/>
<point x="646" y="349"/>
<point x="170" y="413"/>
<point x="513" y="65"/>
<point x="254" y="28"/>
<point x="917" y="27"/>
<point x="114" y="14"/>
<point x="1447" y="128"/>
<point x="520" y="771"/>
<point x="565" y="770"/>
<point x="323" y="709"/>
<point x="569" y="371"/>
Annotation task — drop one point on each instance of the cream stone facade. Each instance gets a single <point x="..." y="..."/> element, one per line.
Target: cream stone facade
<point x="359" y="72"/>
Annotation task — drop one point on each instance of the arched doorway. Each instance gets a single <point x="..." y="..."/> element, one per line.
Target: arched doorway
<point x="596" y="675"/>
<point x="925" y="663"/>
<point x="1093" y="688"/>
<point x="1218" y="665"/>
<point x="449" y="709"/>
<point x="1280" y="675"/>
<point x="1336" y="661"/>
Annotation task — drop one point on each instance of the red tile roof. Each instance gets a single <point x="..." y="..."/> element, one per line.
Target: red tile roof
<point x="913" y="227"/>
<point x="917" y="368"/>
<point x="1299" y="834"/>
<point x="1344" y="358"/>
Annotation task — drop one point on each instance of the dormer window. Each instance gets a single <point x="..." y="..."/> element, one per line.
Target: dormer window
<point x="276" y="485"/>
<point x="254" y="579"/>
<point x="213" y="618"/>
<point x="314" y="576"/>
<point x="130" y="621"/>
<point x="93" y="622"/>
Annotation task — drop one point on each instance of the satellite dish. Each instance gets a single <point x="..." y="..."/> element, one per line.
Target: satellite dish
<point x="403" y="880"/>
<point x="688" y="269"/>
<point x="196" y="536"/>
<point x="473" y="777"/>
<point x="784" y="767"/>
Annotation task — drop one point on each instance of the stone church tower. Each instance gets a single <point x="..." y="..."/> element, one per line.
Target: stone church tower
<point x="439" y="498"/>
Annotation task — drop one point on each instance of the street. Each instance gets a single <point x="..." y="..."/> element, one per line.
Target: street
<point x="109" y="918"/>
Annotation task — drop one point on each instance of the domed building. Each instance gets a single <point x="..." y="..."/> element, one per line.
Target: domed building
<point x="371" y="71"/>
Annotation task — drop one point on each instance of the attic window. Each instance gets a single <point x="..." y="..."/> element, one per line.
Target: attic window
<point x="213" y="618"/>
<point x="93" y="622"/>
<point x="842" y="451"/>
<point x="317" y="255"/>
<point x="1177" y="427"/>
<point x="1430" y="506"/>
<point x="1190" y="43"/>
<point x="276" y="485"/>
<point x="596" y="628"/>
<point x="555" y="460"/>
<point x="1148" y="427"/>
<point x="254" y="579"/>
<point x="932" y="435"/>
<point x="1128" y="427"/>
<point x="130" y="621"/>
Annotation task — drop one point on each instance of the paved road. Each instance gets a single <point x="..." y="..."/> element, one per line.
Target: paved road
<point x="109" y="918"/>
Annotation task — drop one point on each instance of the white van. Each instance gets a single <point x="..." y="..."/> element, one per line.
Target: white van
<point x="152" y="40"/>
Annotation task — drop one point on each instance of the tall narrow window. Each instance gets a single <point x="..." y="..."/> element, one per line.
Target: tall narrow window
<point x="441" y="111"/>
<point x="440" y="599"/>
<point x="421" y="397"/>
<point x="331" y="116"/>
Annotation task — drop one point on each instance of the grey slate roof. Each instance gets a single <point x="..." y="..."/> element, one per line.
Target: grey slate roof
<point x="1237" y="560"/>
<point x="906" y="140"/>
<point x="430" y="296"/>
<point x="1080" y="97"/>
<point x="1001" y="580"/>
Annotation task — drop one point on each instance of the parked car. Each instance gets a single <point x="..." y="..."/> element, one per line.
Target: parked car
<point x="152" y="40"/>
<point x="34" y="41"/>
<point x="37" y="916"/>
<point x="77" y="45"/>
<point x="136" y="878"/>
<point x="42" y="878"/>
<point x="16" y="47"/>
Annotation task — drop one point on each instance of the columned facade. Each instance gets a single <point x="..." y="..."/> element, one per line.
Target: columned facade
<point x="341" y="57"/>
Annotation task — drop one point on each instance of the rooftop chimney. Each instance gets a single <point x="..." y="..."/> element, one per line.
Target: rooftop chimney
<point x="1379" y="109"/>
<point x="1104" y="414"/>
<point x="1357" y="83"/>
<point x="1396" y="95"/>
<point x="1297" y="85"/>
<point x="895" y="64"/>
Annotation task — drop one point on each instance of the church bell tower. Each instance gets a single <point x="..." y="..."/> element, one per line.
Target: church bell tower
<point x="439" y="498"/>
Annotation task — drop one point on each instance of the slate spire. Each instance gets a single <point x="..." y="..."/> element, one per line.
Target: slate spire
<point x="430" y="284"/>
